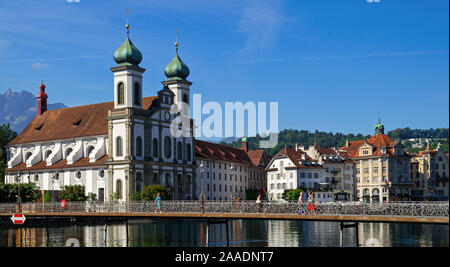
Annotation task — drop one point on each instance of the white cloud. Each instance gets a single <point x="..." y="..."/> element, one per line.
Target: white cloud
<point x="260" y="22"/>
<point x="39" y="65"/>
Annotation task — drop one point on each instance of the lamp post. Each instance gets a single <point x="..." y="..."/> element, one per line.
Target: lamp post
<point x="18" y="176"/>
<point x="202" y="194"/>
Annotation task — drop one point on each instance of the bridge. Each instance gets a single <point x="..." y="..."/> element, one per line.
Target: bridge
<point x="390" y="212"/>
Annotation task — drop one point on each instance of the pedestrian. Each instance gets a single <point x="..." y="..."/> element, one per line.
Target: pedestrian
<point x="311" y="206"/>
<point x="300" y="203"/>
<point x="158" y="202"/>
<point x="258" y="201"/>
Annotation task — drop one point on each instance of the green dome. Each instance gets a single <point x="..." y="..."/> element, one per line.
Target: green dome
<point x="176" y="70"/>
<point x="244" y="139"/>
<point x="379" y="128"/>
<point x="127" y="54"/>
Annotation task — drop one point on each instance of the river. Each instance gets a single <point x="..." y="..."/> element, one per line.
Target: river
<point x="243" y="233"/>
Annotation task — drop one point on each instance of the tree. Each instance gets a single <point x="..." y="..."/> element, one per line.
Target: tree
<point x="136" y="196"/>
<point x="73" y="193"/>
<point x="149" y="192"/>
<point x="9" y="192"/>
<point x="292" y="194"/>
<point x="6" y="135"/>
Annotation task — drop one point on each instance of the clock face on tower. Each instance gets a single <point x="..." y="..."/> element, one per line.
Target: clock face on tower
<point x="166" y="116"/>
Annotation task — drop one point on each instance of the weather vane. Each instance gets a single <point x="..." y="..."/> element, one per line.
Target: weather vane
<point x="127" y="26"/>
<point x="176" y="38"/>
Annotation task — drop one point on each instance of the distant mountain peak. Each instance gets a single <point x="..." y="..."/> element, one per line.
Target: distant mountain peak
<point x="18" y="108"/>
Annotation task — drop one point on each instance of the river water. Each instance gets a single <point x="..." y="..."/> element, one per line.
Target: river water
<point x="243" y="233"/>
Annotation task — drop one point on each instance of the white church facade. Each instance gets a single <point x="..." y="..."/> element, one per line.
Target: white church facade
<point x="115" y="147"/>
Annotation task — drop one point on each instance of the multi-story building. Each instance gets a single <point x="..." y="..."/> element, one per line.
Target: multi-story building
<point x="338" y="173"/>
<point x="382" y="168"/>
<point x="113" y="148"/>
<point x="430" y="175"/>
<point x="292" y="168"/>
<point x="225" y="172"/>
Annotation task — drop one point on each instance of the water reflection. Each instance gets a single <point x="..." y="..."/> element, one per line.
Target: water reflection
<point x="243" y="233"/>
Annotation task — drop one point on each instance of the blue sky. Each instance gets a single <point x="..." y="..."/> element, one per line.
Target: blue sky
<point x="332" y="65"/>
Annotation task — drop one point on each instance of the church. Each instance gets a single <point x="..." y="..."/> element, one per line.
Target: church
<point x="116" y="148"/>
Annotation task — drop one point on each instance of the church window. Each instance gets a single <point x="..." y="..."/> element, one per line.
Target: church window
<point x="185" y="99"/>
<point x="101" y="173"/>
<point x="167" y="147"/>
<point x="119" y="145"/>
<point x="68" y="151"/>
<point x="121" y="93"/>
<point x="56" y="176"/>
<point x="90" y="150"/>
<point x="137" y="94"/>
<point x="155" y="148"/>
<point x="139" y="146"/>
<point x="27" y="156"/>
<point x="78" y="175"/>
<point x="179" y="150"/>
<point x="48" y="153"/>
<point x="138" y="182"/>
<point x="36" y="178"/>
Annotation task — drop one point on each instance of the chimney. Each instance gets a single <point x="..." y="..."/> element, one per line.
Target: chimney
<point x="296" y="146"/>
<point x="41" y="100"/>
<point x="346" y="143"/>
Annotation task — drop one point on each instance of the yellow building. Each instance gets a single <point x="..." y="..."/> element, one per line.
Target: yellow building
<point x="382" y="168"/>
<point x="430" y="175"/>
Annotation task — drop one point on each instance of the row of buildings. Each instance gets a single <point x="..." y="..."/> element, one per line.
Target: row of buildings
<point x="117" y="148"/>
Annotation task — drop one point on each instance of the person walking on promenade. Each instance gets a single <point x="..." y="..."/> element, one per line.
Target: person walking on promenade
<point x="311" y="206"/>
<point x="258" y="201"/>
<point x="158" y="202"/>
<point x="300" y="203"/>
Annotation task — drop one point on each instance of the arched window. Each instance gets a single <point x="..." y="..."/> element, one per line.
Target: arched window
<point x="188" y="152"/>
<point x="155" y="148"/>
<point x="375" y="192"/>
<point x="366" y="192"/>
<point x="120" y="93"/>
<point x="48" y="153"/>
<point x="179" y="151"/>
<point x="167" y="181"/>
<point x="119" y="151"/>
<point x="167" y="147"/>
<point x="137" y="94"/>
<point x="119" y="188"/>
<point x="139" y="146"/>
<point x="68" y="151"/>
<point x="155" y="178"/>
<point x="89" y="151"/>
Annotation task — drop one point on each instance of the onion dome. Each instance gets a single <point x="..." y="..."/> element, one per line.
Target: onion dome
<point x="244" y="139"/>
<point x="127" y="54"/>
<point x="176" y="70"/>
<point x="379" y="128"/>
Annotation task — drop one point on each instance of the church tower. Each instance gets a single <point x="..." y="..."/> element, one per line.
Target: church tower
<point x="41" y="100"/>
<point x="127" y="75"/>
<point x="176" y="73"/>
<point x="126" y="132"/>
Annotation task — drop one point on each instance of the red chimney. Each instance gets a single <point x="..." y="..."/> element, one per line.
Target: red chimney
<point x="41" y="100"/>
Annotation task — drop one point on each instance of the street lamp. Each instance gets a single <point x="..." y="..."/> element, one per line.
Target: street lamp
<point x="202" y="171"/>
<point x="18" y="176"/>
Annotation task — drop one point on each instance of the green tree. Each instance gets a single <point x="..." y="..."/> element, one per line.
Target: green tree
<point x="251" y="194"/>
<point x="136" y="196"/>
<point x="6" y="135"/>
<point x="291" y="194"/>
<point x="28" y="192"/>
<point x="47" y="197"/>
<point x="73" y="193"/>
<point x="91" y="197"/>
<point x="149" y="192"/>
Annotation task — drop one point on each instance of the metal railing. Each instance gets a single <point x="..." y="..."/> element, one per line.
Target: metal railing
<point x="408" y="209"/>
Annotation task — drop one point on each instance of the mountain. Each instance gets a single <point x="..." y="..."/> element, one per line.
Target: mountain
<point x="19" y="108"/>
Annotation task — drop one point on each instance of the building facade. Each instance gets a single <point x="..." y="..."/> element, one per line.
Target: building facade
<point x="116" y="148"/>
<point x="382" y="168"/>
<point x="291" y="169"/>
<point x="225" y="173"/>
<point x="430" y="175"/>
<point x="339" y="172"/>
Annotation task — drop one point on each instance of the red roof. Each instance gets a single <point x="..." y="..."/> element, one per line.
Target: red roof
<point x="66" y="123"/>
<point x="377" y="142"/>
<point x="220" y="152"/>
<point x="296" y="156"/>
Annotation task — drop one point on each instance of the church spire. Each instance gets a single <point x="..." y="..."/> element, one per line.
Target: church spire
<point x="41" y="100"/>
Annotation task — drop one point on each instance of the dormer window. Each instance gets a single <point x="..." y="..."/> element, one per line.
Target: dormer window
<point x="39" y="127"/>
<point x="77" y="123"/>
